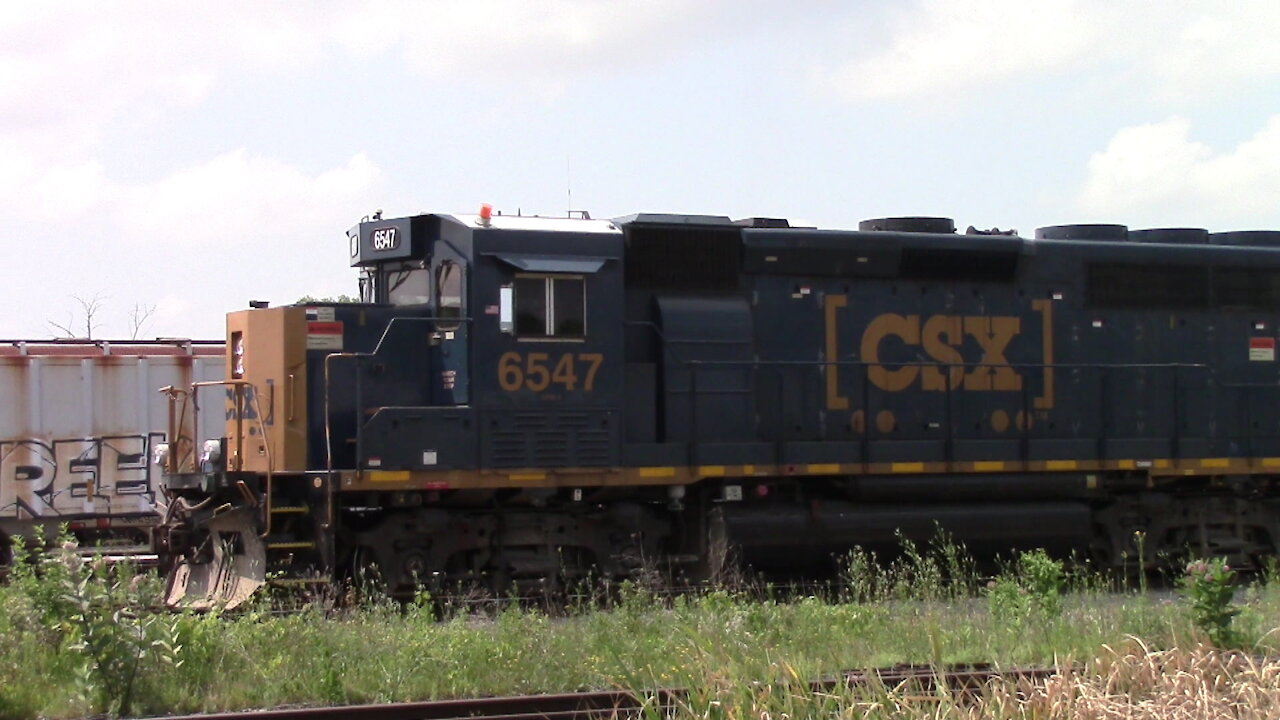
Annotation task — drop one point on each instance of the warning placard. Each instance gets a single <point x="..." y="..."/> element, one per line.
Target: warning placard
<point x="324" y="336"/>
<point x="1262" y="349"/>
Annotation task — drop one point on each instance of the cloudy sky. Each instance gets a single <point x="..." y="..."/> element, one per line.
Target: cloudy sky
<point x="155" y="155"/>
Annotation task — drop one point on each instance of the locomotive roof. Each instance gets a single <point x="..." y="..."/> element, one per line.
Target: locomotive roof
<point x="534" y="222"/>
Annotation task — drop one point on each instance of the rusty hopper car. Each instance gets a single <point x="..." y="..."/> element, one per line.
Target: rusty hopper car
<point x="528" y="398"/>
<point x="78" y="423"/>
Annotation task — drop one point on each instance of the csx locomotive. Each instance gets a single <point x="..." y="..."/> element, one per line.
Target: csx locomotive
<point x="520" y="399"/>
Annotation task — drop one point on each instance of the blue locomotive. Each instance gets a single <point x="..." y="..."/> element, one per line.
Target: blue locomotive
<point x="527" y="399"/>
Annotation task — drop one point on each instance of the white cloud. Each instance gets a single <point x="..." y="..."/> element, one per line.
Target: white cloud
<point x="239" y="224"/>
<point x="69" y="70"/>
<point x="65" y="68"/>
<point x="1156" y="174"/>
<point x="516" y="39"/>
<point x="1177" y="49"/>
<point x="196" y="243"/>
<point x="238" y="199"/>
<point x="943" y="45"/>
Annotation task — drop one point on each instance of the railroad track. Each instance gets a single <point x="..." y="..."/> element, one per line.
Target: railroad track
<point x="602" y="704"/>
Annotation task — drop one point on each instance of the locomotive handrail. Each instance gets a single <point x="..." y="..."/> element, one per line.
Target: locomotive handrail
<point x="239" y="416"/>
<point x="177" y="342"/>
<point x="666" y="344"/>
<point x="173" y="462"/>
<point x="693" y="392"/>
<point x="357" y="356"/>
<point x="923" y="363"/>
<point x="779" y="431"/>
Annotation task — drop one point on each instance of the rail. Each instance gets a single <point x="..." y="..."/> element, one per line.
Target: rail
<point x="922" y="681"/>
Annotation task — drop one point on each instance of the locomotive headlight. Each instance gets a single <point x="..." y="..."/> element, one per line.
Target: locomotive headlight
<point x="211" y="452"/>
<point x="160" y="454"/>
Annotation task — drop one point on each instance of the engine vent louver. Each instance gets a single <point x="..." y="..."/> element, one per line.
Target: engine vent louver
<point x="1171" y="236"/>
<point x="1247" y="238"/>
<point x="909" y="225"/>
<point x="564" y="439"/>
<point x="1083" y="232"/>
<point x="763" y="222"/>
<point x="705" y="259"/>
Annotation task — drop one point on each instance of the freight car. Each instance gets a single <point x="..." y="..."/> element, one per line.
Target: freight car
<point x="521" y="398"/>
<point x="78" y="423"/>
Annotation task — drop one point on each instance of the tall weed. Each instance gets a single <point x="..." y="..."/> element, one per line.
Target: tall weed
<point x="100" y="614"/>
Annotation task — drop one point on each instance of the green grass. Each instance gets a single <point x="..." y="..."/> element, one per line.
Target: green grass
<point x="715" y="642"/>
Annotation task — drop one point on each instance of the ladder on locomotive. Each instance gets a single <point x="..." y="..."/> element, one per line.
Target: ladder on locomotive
<point x="294" y="525"/>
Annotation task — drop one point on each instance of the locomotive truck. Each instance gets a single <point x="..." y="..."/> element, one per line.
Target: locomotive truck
<point x="527" y="399"/>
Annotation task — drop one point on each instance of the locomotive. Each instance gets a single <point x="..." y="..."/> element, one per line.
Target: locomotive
<point x="525" y="399"/>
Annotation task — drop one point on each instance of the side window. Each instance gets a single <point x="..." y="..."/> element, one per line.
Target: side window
<point x="449" y="290"/>
<point x="408" y="285"/>
<point x="550" y="306"/>
<point x="531" y="307"/>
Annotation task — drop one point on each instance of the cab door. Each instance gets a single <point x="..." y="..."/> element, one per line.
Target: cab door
<point x="451" y="381"/>
<point x="552" y="362"/>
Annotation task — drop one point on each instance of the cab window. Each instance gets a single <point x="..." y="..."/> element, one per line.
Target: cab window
<point x="408" y="285"/>
<point x="449" y="290"/>
<point x="550" y="306"/>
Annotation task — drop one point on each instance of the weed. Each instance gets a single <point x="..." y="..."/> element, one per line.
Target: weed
<point x="742" y="654"/>
<point x="1031" y="590"/>
<point x="98" y="613"/>
<point x="1209" y="587"/>
<point x="1043" y="578"/>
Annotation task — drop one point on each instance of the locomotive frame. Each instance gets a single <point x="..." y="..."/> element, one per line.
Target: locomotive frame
<point x="526" y="399"/>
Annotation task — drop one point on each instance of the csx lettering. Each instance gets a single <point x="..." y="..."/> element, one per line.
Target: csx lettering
<point x="537" y="372"/>
<point x="242" y="403"/>
<point x="941" y="336"/>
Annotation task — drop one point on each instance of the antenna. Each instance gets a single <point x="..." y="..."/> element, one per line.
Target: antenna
<point x="568" y="186"/>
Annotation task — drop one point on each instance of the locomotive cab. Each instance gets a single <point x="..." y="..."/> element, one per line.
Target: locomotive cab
<point x="481" y="345"/>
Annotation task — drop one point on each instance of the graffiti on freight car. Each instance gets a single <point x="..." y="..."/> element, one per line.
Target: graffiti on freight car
<point x="72" y="476"/>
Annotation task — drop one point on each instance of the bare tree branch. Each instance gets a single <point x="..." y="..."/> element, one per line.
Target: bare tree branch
<point x="63" y="330"/>
<point x="140" y="319"/>
<point x="89" y="310"/>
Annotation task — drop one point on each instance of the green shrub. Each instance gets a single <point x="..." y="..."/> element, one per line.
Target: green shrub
<point x="1030" y="590"/>
<point x="1209" y="587"/>
<point x="1043" y="578"/>
<point x="98" y="615"/>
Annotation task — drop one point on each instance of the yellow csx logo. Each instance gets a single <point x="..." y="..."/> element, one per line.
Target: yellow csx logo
<point x="940" y="336"/>
<point x="940" y="339"/>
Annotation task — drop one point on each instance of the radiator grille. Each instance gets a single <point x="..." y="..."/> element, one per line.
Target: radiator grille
<point x="579" y="439"/>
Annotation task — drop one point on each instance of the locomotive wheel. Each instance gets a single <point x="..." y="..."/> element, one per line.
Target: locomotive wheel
<point x="363" y="572"/>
